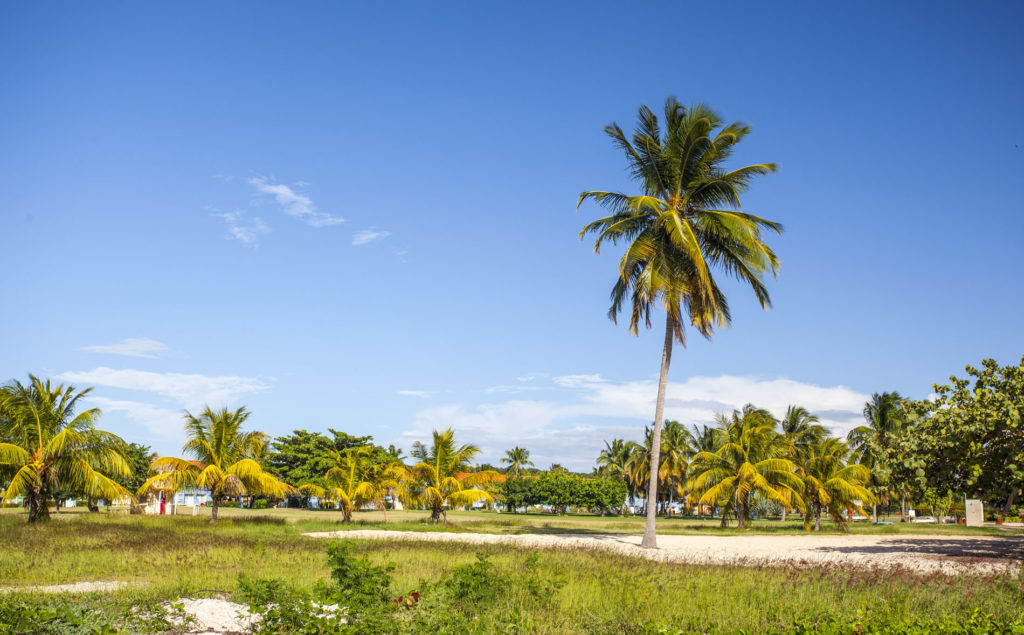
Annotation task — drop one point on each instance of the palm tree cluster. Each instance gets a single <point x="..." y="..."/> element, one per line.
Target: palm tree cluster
<point x="747" y="457"/>
<point x="48" y="445"/>
<point x="226" y="460"/>
<point x="227" y="464"/>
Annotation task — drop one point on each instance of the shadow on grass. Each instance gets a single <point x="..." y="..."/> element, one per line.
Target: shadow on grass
<point x="994" y="548"/>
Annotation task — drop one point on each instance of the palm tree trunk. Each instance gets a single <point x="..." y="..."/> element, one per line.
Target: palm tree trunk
<point x="650" y="540"/>
<point x="740" y="512"/>
<point x="783" y="513"/>
<point x="435" y="514"/>
<point x="33" y="505"/>
<point x="1009" y="501"/>
<point x="874" y="512"/>
<point x="817" y="518"/>
<point x="213" y="508"/>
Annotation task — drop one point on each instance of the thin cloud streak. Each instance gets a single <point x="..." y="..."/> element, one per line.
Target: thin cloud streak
<point x="190" y="390"/>
<point x="367" y="236"/>
<point x="242" y="228"/>
<point x="294" y="204"/>
<point x="130" y="347"/>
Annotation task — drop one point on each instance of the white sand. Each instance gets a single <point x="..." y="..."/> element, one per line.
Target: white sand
<point x="217" y="616"/>
<point x="921" y="553"/>
<point x="75" y="587"/>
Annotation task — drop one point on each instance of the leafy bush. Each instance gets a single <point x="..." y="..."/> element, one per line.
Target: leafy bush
<point x="360" y="584"/>
<point x="473" y="583"/>
<point x="561" y="491"/>
<point x="260" y="503"/>
<point x="51" y="616"/>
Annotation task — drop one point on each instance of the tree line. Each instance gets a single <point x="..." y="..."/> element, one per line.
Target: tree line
<point x="968" y="440"/>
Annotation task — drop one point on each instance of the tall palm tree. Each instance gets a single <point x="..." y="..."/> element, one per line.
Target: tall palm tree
<point x="685" y="223"/>
<point x="442" y="477"/>
<point x="355" y="479"/>
<point x="517" y="458"/>
<point x="226" y="460"/>
<point x="751" y="460"/>
<point x="45" y="447"/>
<point x="871" y="443"/>
<point x="832" y="485"/>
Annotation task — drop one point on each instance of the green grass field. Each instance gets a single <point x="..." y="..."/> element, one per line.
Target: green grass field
<point x="504" y="523"/>
<point x="170" y="557"/>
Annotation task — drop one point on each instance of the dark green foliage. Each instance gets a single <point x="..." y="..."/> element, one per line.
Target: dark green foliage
<point x="139" y="459"/>
<point x="473" y="583"/>
<point x="303" y="457"/>
<point x="55" y="615"/>
<point x="970" y="439"/>
<point x="360" y="584"/>
<point x="52" y="616"/>
<point x="562" y="490"/>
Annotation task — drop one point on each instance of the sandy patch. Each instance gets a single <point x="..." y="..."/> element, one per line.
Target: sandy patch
<point x="921" y="553"/>
<point x="75" y="587"/>
<point x="217" y="616"/>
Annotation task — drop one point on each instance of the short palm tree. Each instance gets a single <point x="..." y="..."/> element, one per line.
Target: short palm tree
<point x="801" y="430"/>
<point x="517" y="458"/>
<point x="616" y="461"/>
<point x="45" y="447"/>
<point x="685" y="223"/>
<point x="751" y="460"/>
<point x="442" y="477"/>
<point x="676" y="453"/>
<point x="355" y="480"/>
<point x="832" y="485"/>
<point x="225" y="460"/>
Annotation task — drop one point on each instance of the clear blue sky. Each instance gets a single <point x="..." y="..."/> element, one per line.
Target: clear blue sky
<point x="178" y="175"/>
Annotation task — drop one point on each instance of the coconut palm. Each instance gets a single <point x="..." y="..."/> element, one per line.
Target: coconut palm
<point x="517" y="458"/>
<point x="355" y="479"/>
<point x="46" y="447"/>
<point x="703" y="439"/>
<point x="832" y="485"/>
<point x="801" y="430"/>
<point x="685" y="223"/>
<point x="226" y="460"/>
<point x="442" y="477"/>
<point x="675" y="454"/>
<point x="751" y="461"/>
<point x="870" y="444"/>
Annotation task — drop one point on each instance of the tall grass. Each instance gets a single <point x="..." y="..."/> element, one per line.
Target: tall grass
<point x="170" y="557"/>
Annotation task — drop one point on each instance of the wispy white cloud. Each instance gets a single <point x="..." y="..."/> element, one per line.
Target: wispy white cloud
<point x="130" y="347"/>
<point x="241" y="227"/>
<point x="161" y="422"/>
<point x="190" y="390"/>
<point x="368" y="236"/>
<point x="583" y="411"/>
<point x="294" y="204"/>
<point x="415" y="393"/>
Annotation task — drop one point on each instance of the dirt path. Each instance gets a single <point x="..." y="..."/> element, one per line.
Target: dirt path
<point x="922" y="553"/>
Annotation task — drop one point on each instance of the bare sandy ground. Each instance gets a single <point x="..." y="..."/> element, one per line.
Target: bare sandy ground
<point x="920" y="553"/>
<point x="74" y="587"/>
